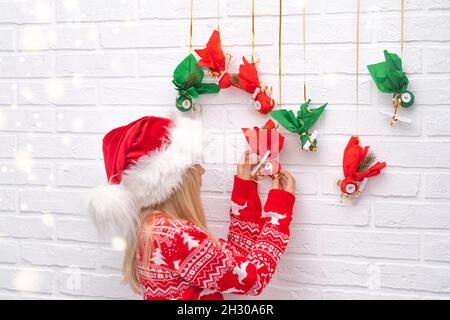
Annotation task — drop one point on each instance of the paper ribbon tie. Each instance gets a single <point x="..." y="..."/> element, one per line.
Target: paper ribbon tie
<point x="261" y="162"/>
<point x="255" y="94"/>
<point x="363" y="184"/>
<point x="312" y="137"/>
<point x="397" y="117"/>
<point x="230" y="60"/>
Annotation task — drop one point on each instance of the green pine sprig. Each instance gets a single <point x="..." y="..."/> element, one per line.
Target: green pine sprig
<point x="234" y="79"/>
<point x="367" y="162"/>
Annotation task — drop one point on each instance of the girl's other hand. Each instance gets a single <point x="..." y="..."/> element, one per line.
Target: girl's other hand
<point x="244" y="167"/>
<point x="284" y="181"/>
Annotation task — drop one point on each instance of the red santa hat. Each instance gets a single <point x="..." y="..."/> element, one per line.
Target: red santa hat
<point x="145" y="162"/>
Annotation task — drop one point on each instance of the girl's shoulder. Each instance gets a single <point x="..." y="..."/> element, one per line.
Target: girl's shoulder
<point x="180" y="235"/>
<point x="163" y="223"/>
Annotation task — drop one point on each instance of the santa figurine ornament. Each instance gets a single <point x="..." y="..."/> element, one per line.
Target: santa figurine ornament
<point x="188" y="80"/>
<point x="218" y="64"/>
<point x="390" y="78"/>
<point x="358" y="166"/>
<point x="267" y="143"/>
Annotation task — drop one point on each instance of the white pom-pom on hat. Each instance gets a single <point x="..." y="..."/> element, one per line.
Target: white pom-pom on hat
<point x="113" y="209"/>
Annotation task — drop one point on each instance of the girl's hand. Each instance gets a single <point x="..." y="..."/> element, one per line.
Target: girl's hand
<point x="284" y="181"/>
<point x="244" y="167"/>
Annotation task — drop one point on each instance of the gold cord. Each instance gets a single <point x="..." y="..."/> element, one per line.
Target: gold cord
<point x="304" y="49"/>
<point x="253" y="31"/>
<point x="190" y="29"/>
<point x="397" y="102"/>
<point x="357" y="65"/>
<point x="219" y="15"/>
<point x="402" y="27"/>
<point x="280" y="20"/>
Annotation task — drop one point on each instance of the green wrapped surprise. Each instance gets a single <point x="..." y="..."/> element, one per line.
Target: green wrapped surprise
<point x="187" y="78"/>
<point x="301" y="123"/>
<point x="390" y="78"/>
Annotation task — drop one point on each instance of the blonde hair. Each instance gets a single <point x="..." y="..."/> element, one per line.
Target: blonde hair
<point x="185" y="203"/>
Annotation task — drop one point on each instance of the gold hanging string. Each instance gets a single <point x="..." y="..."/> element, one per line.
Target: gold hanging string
<point x="402" y="27"/>
<point x="396" y="100"/>
<point x="357" y="65"/>
<point x="253" y="31"/>
<point x="304" y="48"/>
<point x="280" y="20"/>
<point x="219" y="14"/>
<point x="191" y="25"/>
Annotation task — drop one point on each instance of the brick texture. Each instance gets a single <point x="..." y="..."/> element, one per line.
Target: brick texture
<point x="70" y="70"/>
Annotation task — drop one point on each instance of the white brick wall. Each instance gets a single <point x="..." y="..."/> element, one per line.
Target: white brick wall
<point x="70" y="70"/>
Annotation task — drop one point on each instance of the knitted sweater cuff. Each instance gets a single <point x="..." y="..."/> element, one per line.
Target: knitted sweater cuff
<point x="280" y="201"/>
<point x="244" y="188"/>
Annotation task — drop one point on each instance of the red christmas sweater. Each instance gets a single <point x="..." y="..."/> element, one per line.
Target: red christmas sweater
<point x="185" y="264"/>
